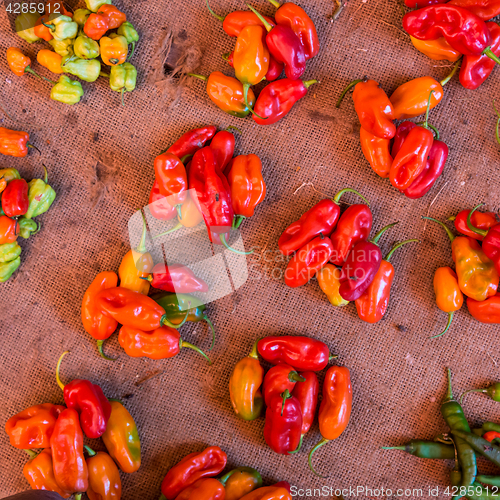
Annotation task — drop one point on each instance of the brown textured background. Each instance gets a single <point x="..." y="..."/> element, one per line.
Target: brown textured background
<point x="100" y="159"/>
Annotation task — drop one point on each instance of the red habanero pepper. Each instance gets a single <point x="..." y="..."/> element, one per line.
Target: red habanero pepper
<point x="480" y="220"/>
<point x="486" y="311"/>
<point x="463" y="30"/>
<point x="361" y="266"/>
<point x="96" y="324"/>
<point x="223" y="147"/>
<point x="195" y="466"/>
<point x="277" y="99"/>
<point x="172" y="179"/>
<point x="433" y="169"/>
<point x="9" y="230"/>
<point x="285" y="46"/>
<point x="176" y="278"/>
<point x="114" y="16"/>
<point x="484" y="9"/>
<point x="303" y="353"/>
<point x="279" y="378"/>
<point x="70" y="468"/>
<point x="104" y="477"/>
<point x="191" y="141"/>
<point x="490" y="436"/>
<point x="203" y="489"/>
<point x="402" y="132"/>
<point x="307" y="261"/>
<point x="372" y="305"/>
<point x="307" y="393"/>
<point x="377" y="152"/>
<point x="158" y="206"/>
<point x="89" y="400"/>
<point x="354" y="226"/>
<point x="33" y="427"/>
<point x="283" y="427"/>
<point x="476" y="69"/>
<point x="274" y="71"/>
<point x="15" y="201"/>
<point x="319" y="220"/>
<point x="96" y="26"/>
<point x="418" y="4"/>
<point x="335" y="408"/>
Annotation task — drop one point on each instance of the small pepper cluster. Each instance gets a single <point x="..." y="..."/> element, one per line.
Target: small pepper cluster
<point x="53" y="437"/>
<point x="476" y="254"/>
<point x="291" y="392"/>
<point x="462" y="446"/>
<point x="323" y="239"/>
<point x="21" y="202"/>
<point x="78" y="40"/>
<point x="264" y="48"/>
<point x="194" y="478"/>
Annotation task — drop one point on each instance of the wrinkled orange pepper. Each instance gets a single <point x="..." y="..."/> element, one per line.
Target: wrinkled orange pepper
<point x="190" y="215"/>
<point x="268" y="493"/>
<point x="449" y="297"/>
<point x="96" y="26"/>
<point x="203" y="489"/>
<point x="14" y="142"/>
<point x="104" y="477"/>
<point x="9" y="230"/>
<point x="439" y="49"/>
<point x="114" y="16"/>
<point x="114" y="49"/>
<point x="3" y="183"/>
<point x="377" y="152"/>
<point x="329" y="282"/>
<point x="50" y="60"/>
<point x="41" y="31"/>
<point x="19" y="63"/>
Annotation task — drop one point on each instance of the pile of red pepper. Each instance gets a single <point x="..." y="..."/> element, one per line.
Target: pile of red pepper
<point x="290" y="391"/>
<point x="53" y="436"/>
<point x="335" y="248"/>
<point x="20" y="203"/>
<point x="265" y="47"/>
<point x="476" y="254"/>
<point x="194" y="478"/>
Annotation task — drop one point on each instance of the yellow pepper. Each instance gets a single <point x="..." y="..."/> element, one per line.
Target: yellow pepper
<point x="114" y="49"/>
<point x="328" y="279"/>
<point x="439" y="50"/>
<point x="50" y="60"/>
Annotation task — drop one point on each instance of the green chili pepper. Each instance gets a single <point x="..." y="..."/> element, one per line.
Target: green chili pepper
<point x="80" y="16"/>
<point x="62" y="47"/>
<point x="7" y="269"/>
<point x="86" y="48"/>
<point x="130" y="33"/>
<point x="86" y="70"/>
<point x="27" y="228"/>
<point x="453" y="415"/>
<point x="455" y="473"/>
<point x="493" y="392"/>
<point x="480" y="445"/>
<point x="62" y="27"/>
<point x="25" y="26"/>
<point x="40" y="195"/>
<point x="490" y="426"/>
<point x="67" y="91"/>
<point x="489" y="480"/>
<point x="478" y="432"/>
<point x="94" y="5"/>
<point x="425" y="449"/>
<point x="176" y="306"/>
<point x="9" y="174"/>
<point x="123" y="78"/>
<point x="9" y="252"/>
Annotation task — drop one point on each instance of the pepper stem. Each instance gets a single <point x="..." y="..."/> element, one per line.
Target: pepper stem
<point x="449" y="390"/>
<point x="34" y="73"/>
<point x="45" y="174"/>
<point x="285" y="395"/>
<point x="261" y="18"/>
<point x="344" y="92"/>
<point x="220" y="18"/>
<point x="274" y="3"/>
<point x="238" y="220"/>
<point x="444" y="226"/>
<point x="488" y="52"/>
<point x="210" y="324"/>
<point x="165" y="321"/>
<point x="185" y="158"/>
<point x="497" y="130"/>
<point x="35" y="148"/>
<point x="58" y="367"/>
<point x="308" y="83"/>
<point x="226" y="244"/>
<point x="295" y="377"/>
<point x="426" y="118"/>
<point x="90" y="451"/>
<point x="179" y="210"/>
<point x="162" y="497"/>
<point x="176" y="228"/>
<point x="445" y="80"/>
<point x="100" y="345"/>
<point x="78" y="496"/>
<point x="197" y="349"/>
<point x="246" y="86"/>
<point x="435" y="130"/>
<point x="398" y="245"/>
<point x="101" y="73"/>
<point x="226" y="55"/>
<point x="132" y="51"/>
<point x="32" y="454"/>
<point x="482" y="232"/>
<point x="337" y="197"/>
<point x="142" y="243"/>
<point x="254" y="353"/>
<point x="200" y="77"/>
<point x="298" y="447"/>
<point x="317" y="446"/>
<point x="377" y="237"/>
<point x="402" y="448"/>
<point x="483" y="391"/>
<point x="448" y="324"/>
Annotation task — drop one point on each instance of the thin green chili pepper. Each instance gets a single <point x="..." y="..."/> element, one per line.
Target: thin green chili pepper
<point x="478" y="432"/>
<point x="493" y="392"/>
<point x="425" y="449"/>
<point x="489" y="480"/>
<point x="480" y="445"/>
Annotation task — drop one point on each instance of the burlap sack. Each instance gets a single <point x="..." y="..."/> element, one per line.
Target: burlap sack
<point x="99" y="155"/>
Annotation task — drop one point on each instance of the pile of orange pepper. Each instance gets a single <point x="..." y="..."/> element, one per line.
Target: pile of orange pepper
<point x="53" y="435"/>
<point x="290" y="392"/>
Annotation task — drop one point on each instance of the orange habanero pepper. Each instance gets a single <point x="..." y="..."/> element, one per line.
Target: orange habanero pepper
<point x="439" y="49"/>
<point x="39" y="472"/>
<point x="96" y="324"/>
<point x="248" y="187"/>
<point x="41" y="31"/>
<point x="329" y="281"/>
<point x="377" y="152"/>
<point x="335" y="408"/>
<point x="268" y="493"/>
<point x="19" y="63"/>
<point x="172" y="179"/>
<point x="96" y="26"/>
<point x="114" y="16"/>
<point x="50" y="60"/>
<point x="9" y="230"/>
<point x="114" y="49"/>
<point x="104" y="477"/>
<point x="14" y="142"/>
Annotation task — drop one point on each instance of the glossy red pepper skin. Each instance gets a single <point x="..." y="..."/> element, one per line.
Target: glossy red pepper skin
<point x="491" y="246"/>
<point x="307" y="393"/>
<point x="481" y="220"/>
<point x="191" y="141"/>
<point x="402" y="132"/>
<point x="283" y="484"/>
<point x="474" y="70"/>
<point x="171" y="177"/>
<point x="236" y="21"/>
<point x="277" y="99"/>
<point x="223" y="147"/>
<point x="484" y="9"/>
<point x="359" y="269"/>
<point x="307" y="261"/>
<point x="283" y="427"/>
<point x="433" y="169"/>
<point x="15" y="201"/>
<point x="320" y="219"/>
<point x="278" y="379"/>
<point x="159" y="206"/>
<point x="285" y="47"/>
<point x="212" y="192"/>
<point x="462" y="29"/>
<point x="486" y="311"/>
<point x="303" y="353"/>
<point x="191" y="468"/>
<point x="354" y="226"/>
<point x="89" y="400"/>
<point x="203" y="489"/>
<point x="176" y="278"/>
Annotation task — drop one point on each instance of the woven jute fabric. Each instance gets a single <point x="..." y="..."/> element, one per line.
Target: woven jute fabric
<point x="100" y="160"/>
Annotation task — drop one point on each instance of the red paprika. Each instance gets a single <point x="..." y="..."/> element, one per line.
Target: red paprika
<point x="15" y="201"/>
<point x="191" y="141"/>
